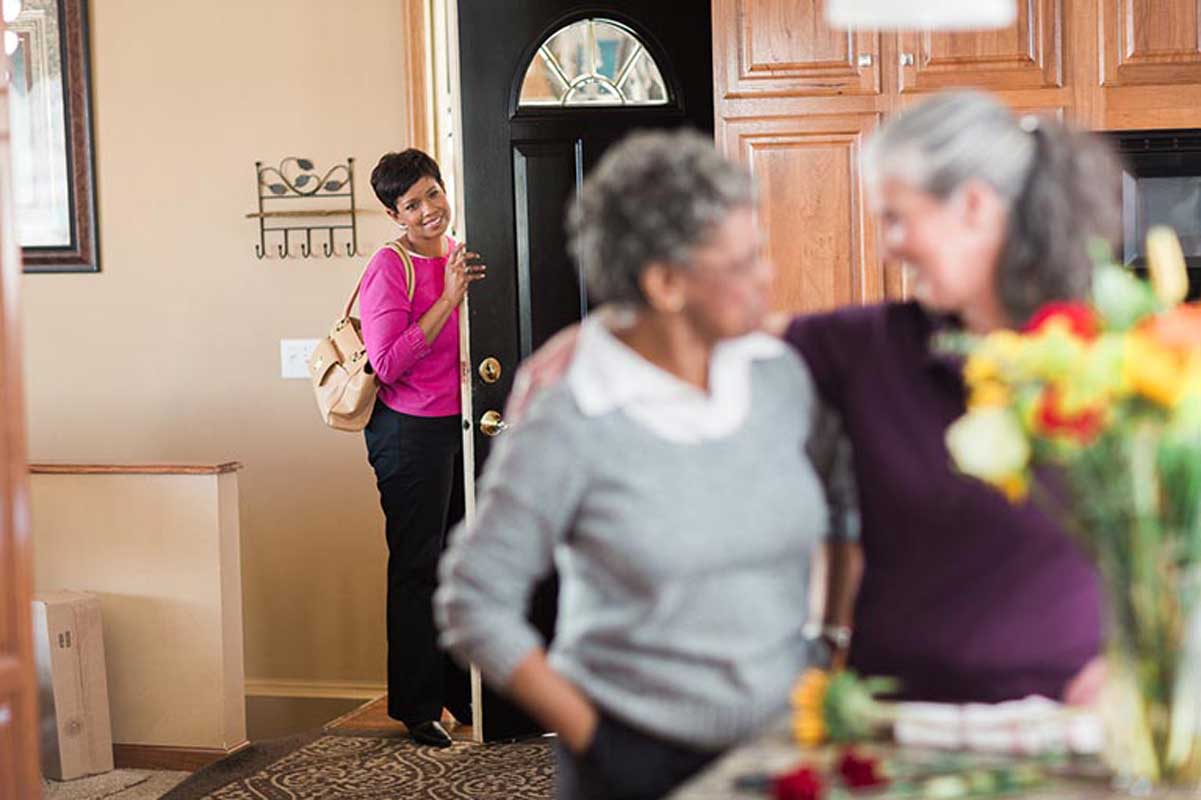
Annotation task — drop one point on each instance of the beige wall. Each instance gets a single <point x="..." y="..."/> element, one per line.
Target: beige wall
<point x="161" y="552"/>
<point x="171" y="353"/>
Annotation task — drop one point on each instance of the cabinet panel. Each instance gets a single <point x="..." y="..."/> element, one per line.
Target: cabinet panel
<point x="1026" y="55"/>
<point x="1150" y="42"/>
<point x="784" y="47"/>
<point x="813" y="212"/>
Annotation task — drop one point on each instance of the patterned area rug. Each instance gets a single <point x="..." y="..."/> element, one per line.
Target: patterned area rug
<point x="332" y="767"/>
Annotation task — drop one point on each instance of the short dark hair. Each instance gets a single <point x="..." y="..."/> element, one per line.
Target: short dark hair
<point x="396" y="173"/>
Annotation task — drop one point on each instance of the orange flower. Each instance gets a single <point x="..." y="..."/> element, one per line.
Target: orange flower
<point x="1158" y="371"/>
<point x="1178" y="327"/>
<point x="808" y="701"/>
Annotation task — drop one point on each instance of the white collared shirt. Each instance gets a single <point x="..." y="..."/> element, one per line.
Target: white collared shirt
<point x="606" y="375"/>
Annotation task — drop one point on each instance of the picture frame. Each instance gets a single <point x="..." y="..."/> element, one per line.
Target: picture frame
<point x="50" y="90"/>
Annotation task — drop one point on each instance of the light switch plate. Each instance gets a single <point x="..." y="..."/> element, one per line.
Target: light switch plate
<point x="294" y="357"/>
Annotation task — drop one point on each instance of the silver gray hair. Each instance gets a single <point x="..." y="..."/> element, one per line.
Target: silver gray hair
<point x="654" y="197"/>
<point x="1062" y="187"/>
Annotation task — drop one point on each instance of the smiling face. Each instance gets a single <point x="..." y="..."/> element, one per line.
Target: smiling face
<point x="951" y="245"/>
<point x="731" y="278"/>
<point x="723" y="292"/>
<point x="423" y="211"/>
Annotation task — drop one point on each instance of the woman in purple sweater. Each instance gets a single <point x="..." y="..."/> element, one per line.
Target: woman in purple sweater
<point x="414" y="436"/>
<point x="961" y="595"/>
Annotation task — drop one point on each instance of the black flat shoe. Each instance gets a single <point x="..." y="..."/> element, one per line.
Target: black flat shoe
<point x="431" y="733"/>
<point x="462" y="715"/>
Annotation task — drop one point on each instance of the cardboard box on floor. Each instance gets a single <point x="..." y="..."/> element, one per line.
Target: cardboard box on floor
<point x="76" y="732"/>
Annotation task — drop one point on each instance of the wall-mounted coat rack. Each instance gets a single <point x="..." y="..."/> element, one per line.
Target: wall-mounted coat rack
<point x="295" y="190"/>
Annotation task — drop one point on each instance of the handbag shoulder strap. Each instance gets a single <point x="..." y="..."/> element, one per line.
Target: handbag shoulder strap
<point x="410" y="276"/>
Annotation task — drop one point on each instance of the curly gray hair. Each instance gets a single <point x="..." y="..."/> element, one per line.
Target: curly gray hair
<point x="1062" y="186"/>
<point x="654" y="197"/>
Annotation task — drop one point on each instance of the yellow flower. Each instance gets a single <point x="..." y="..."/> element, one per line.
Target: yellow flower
<point x="1015" y="487"/>
<point x="988" y="394"/>
<point x="993" y="358"/>
<point x="989" y="443"/>
<point x="1007" y="345"/>
<point x="1189" y="397"/>
<point x="808" y="703"/>
<point x="1165" y="260"/>
<point x="1156" y="372"/>
<point x="980" y="368"/>
<point x="1052" y="353"/>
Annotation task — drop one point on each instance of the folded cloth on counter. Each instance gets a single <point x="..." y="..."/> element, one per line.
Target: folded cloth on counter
<point x="1019" y="727"/>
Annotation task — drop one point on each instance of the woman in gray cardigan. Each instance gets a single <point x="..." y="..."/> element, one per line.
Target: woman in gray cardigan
<point x="667" y="481"/>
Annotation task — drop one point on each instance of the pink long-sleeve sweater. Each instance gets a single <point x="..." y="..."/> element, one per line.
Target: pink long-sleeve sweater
<point x="415" y="377"/>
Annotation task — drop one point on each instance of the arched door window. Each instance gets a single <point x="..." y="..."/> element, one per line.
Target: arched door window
<point x="593" y="62"/>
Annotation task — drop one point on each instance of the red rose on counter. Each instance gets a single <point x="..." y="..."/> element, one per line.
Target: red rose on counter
<point x="800" y="784"/>
<point x="1081" y="320"/>
<point x="860" y="773"/>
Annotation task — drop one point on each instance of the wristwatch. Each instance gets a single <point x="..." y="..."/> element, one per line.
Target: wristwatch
<point x="837" y="636"/>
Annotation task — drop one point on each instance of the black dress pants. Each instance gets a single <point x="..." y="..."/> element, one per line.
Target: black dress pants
<point x="418" y="463"/>
<point x="622" y="763"/>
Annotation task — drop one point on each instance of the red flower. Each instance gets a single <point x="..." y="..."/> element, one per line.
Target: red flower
<point x="1082" y="426"/>
<point x="1081" y="319"/>
<point x="800" y="784"/>
<point x="860" y="773"/>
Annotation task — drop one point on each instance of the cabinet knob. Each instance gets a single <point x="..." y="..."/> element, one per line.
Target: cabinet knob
<point x="906" y="59"/>
<point x="865" y="59"/>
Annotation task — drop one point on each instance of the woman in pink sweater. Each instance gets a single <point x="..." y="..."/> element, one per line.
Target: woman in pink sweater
<point x="414" y="436"/>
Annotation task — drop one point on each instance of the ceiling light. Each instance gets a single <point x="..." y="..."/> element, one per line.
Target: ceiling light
<point x="924" y="15"/>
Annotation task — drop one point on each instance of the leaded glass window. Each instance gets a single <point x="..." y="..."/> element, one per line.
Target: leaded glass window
<point x="593" y="62"/>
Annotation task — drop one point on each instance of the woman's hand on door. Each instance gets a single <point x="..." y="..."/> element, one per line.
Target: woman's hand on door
<point x="461" y="272"/>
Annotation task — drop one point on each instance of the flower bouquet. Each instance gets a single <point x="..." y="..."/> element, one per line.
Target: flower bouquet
<point x="1094" y="410"/>
<point x="841" y="709"/>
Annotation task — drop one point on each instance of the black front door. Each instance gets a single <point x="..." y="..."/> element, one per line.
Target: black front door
<point x="547" y="86"/>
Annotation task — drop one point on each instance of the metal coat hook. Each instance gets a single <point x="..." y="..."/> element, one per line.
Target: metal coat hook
<point x="316" y="201"/>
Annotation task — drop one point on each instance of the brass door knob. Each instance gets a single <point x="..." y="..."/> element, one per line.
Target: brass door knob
<point x="490" y="370"/>
<point x="492" y="423"/>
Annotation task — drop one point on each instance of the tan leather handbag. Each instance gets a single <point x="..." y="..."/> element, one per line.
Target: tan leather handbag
<point x="343" y="380"/>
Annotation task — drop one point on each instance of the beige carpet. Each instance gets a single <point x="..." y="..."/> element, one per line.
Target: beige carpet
<point x="121" y="784"/>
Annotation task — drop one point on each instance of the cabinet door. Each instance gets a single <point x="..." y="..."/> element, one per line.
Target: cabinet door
<point x="1150" y="42"/>
<point x="813" y="210"/>
<point x="1026" y="55"/>
<point x="784" y="47"/>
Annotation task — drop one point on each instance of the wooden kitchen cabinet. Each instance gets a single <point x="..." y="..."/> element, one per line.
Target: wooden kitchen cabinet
<point x="814" y="214"/>
<point x="795" y="100"/>
<point x="784" y="47"/>
<point x="1147" y="42"/>
<point x="1026" y="55"/>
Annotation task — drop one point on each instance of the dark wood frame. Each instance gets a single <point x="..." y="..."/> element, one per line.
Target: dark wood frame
<point x="83" y="254"/>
